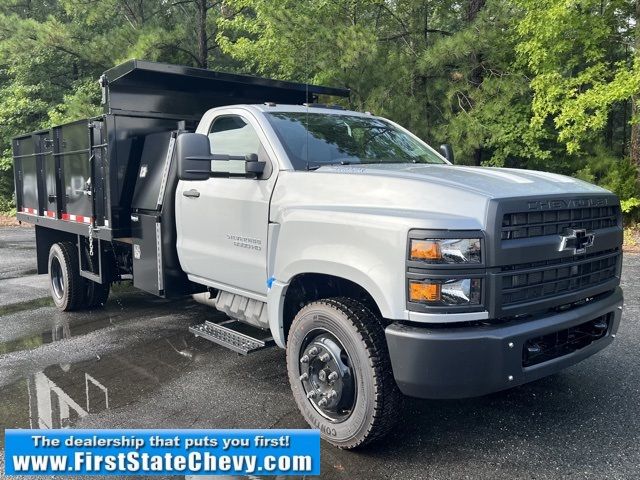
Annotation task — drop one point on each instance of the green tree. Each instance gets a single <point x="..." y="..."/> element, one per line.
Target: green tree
<point x="53" y="52"/>
<point x="582" y="64"/>
<point x="444" y="69"/>
<point x="545" y="84"/>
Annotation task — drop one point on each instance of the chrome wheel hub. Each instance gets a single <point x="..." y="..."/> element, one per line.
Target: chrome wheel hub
<point x="57" y="278"/>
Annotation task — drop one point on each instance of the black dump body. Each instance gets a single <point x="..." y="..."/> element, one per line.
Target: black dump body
<point x="114" y="173"/>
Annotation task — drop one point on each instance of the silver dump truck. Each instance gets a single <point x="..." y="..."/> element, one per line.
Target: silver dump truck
<point x="382" y="269"/>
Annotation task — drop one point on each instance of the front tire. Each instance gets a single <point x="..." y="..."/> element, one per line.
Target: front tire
<point x="340" y="372"/>
<point x="65" y="281"/>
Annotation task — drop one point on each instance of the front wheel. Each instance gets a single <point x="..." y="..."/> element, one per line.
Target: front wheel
<point x="340" y="372"/>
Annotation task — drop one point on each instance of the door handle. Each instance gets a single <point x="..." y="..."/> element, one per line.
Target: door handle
<point x="193" y="193"/>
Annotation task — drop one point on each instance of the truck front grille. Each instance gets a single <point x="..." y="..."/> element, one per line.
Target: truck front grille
<point x="540" y="280"/>
<point x="563" y="342"/>
<point x="555" y="222"/>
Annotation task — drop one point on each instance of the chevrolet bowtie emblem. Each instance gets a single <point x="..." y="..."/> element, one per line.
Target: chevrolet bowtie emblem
<point x="576" y="240"/>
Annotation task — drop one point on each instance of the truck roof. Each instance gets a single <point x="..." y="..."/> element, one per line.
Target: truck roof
<point x="312" y="108"/>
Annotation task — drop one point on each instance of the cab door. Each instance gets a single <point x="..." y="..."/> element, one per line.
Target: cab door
<point x="223" y="223"/>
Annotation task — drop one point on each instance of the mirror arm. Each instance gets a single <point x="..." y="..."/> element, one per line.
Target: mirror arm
<point x="253" y="167"/>
<point x="224" y="157"/>
<point x="252" y="157"/>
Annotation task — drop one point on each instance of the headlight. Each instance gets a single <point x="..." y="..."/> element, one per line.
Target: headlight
<point x="446" y="292"/>
<point x="446" y="250"/>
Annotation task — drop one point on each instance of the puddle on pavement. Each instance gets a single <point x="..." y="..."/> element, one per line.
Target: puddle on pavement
<point x="61" y="394"/>
<point x="53" y="325"/>
<point x="23" y="306"/>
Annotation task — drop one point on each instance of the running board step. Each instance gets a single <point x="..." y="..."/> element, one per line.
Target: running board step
<point x="229" y="334"/>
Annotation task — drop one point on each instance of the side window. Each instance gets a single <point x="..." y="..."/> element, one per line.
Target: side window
<point x="233" y="135"/>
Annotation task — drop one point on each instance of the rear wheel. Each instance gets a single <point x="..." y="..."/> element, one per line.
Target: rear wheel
<point x="340" y="372"/>
<point x="65" y="281"/>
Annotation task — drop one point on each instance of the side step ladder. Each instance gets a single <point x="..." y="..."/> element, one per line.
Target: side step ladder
<point x="232" y="334"/>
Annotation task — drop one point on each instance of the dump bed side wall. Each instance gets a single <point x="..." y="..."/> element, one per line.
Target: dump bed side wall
<point x="88" y="174"/>
<point x="54" y="174"/>
<point x="83" y="172"/>
<point x="73" y="147"/>
<point x="26" y="174"/>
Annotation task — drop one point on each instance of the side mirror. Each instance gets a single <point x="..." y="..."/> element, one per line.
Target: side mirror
<point x="194" y="157"/>
<point x="195" y="161"/>
<point x="446" y="150"/>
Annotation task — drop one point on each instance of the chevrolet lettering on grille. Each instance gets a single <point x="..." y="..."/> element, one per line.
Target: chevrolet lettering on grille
<point x="572" y="203"/>
<point x="576" y="240"/>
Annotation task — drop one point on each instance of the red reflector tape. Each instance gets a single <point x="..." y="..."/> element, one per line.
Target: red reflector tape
<point x="50" y="214"/>
<point x="76" y="218"/>
<point x="30" y="211"/>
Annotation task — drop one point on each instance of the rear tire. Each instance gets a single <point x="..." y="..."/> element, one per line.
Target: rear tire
<point x="340" y="372"/>
<point x="65" y="281"/>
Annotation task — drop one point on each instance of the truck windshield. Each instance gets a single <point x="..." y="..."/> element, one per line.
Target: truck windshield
<point x="316" y="139"/>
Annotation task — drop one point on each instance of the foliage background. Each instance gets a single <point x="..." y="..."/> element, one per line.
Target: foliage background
<point x="544" y="84"/>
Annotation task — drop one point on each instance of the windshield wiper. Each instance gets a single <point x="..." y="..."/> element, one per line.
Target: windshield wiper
<point x="317" y="165"/>
<point x="386" y="162"/>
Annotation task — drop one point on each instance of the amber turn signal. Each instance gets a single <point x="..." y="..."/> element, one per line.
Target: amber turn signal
<point x="425" y="250"/>
<point x="421" y="292"/>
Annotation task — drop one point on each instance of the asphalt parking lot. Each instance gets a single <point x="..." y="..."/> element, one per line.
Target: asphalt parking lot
<point x="135" y="365"/>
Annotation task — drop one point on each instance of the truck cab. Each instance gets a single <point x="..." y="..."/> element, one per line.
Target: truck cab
<point x="383" y="269"/>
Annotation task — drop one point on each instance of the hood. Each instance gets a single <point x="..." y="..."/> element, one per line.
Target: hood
<point x="423" y="196"/>
<point x="486" y="181"/>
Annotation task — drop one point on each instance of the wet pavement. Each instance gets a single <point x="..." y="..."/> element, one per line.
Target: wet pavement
<point x="135" y="365"/>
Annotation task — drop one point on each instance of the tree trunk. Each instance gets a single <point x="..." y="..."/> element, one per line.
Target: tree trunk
<point x="475" y="77"/>
<point x="634" y="147"/>
<point x="203" y="49"/>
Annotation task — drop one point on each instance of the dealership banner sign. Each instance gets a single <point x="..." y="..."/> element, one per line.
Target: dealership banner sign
<point x="162" y="452"/>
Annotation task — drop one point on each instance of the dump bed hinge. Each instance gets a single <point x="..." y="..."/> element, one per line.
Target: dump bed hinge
<point x="228" y="335"/>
